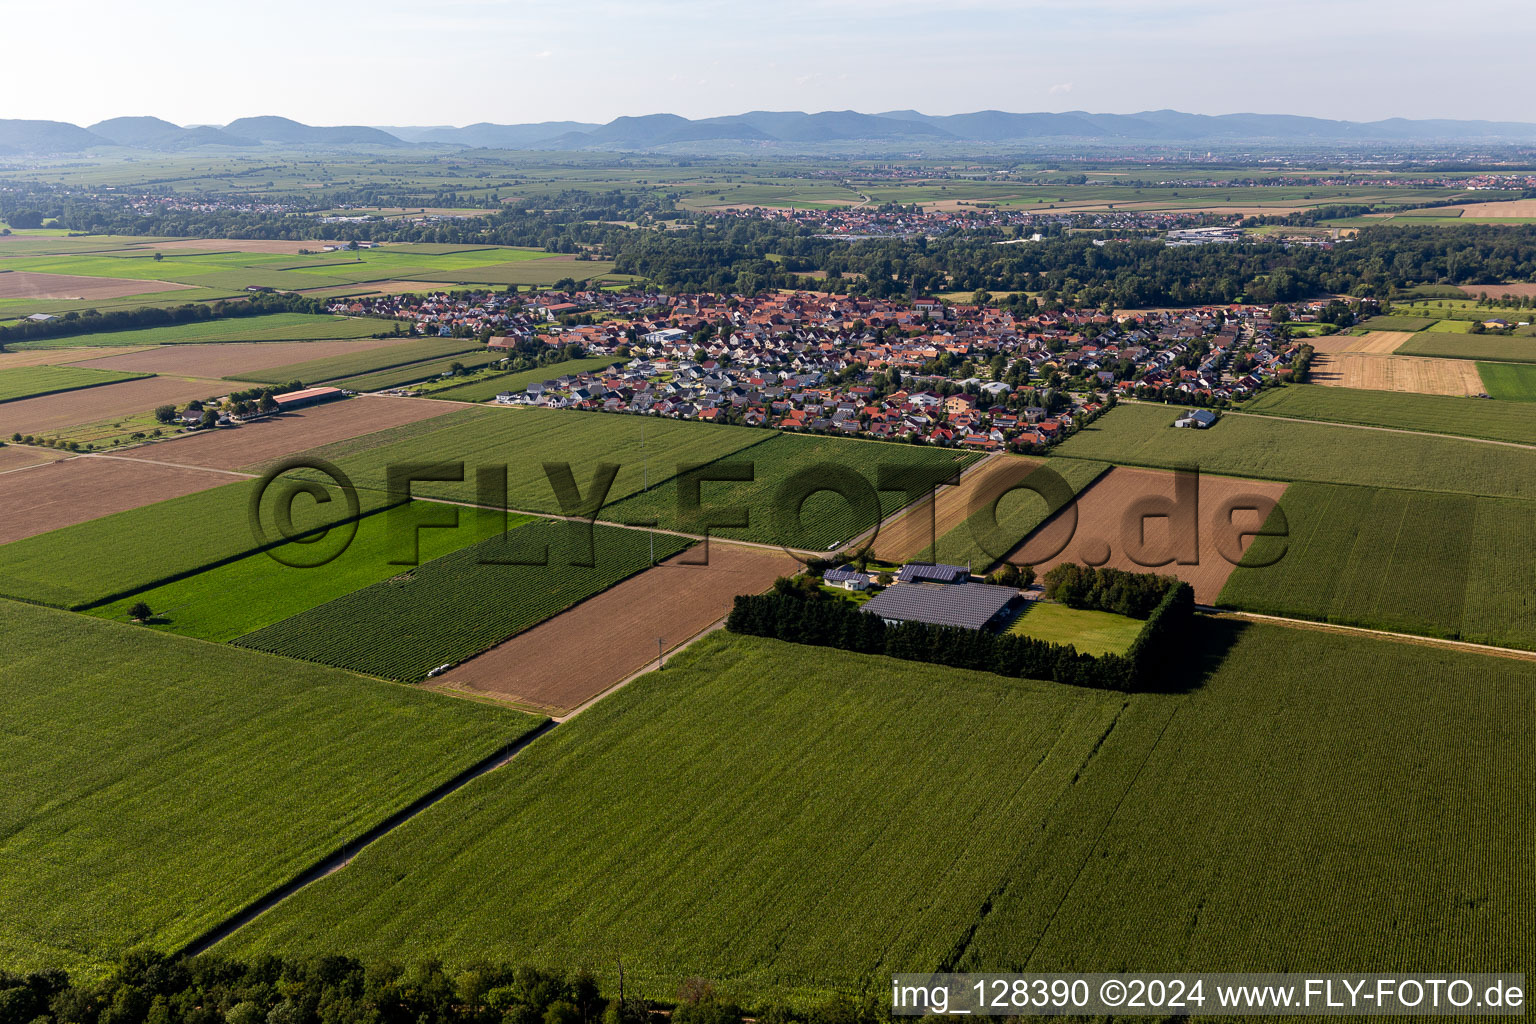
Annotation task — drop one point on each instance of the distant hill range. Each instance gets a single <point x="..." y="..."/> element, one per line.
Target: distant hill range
<point x="789" y="130"/>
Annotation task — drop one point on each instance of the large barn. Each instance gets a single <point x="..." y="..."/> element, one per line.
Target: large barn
<point x="967" y="605"/>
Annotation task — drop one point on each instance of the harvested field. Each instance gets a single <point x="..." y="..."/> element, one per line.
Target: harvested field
<point x="1378" y="342"/>
<point x="557" y="666"/>
<point x="52" y="357"/>
<point x="263" y="245"/>
<point x="26" y="284"/>
<point x="56" y="412"/>
<point x="255" y="443"/>
<point x="222" y="360"/>
<point x="1513" y="208"/>
<point x="1518" y="289"/>
<point x="15" y="456"/>
<point x="1106" y="529"/>
<point x="87" y="487"/>
<point x="1420" y="374"/>
<point x="912" y="535"/>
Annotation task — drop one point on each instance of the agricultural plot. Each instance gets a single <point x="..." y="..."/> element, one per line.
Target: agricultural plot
<point x="488" y="388"/>
<point x="195" y="777"/>
<point x="991" y="533"/>
<point x="35" y="381"/>
<point x="226" y="359"/>
<point x="977" y="818"/>
<point x="1497" y="348"/>
<point x="400" y="376"/>
<point x="1447" y="565"/>
<point x="1416" y="374"/>
<point x="1091" y="632"/>
<point x="112" y="556"/>
<point x="556" y="667"/>
<point x="270" y="327"/>
<point x="48" y="497"/>
<point x="251" y="446"/>
<point x="1396" y="323"/>
<point x="1348" y="767"/>
<point x="1270" y="449"/>
<point x="50" y="414"/>
<point x="351" y="363"/>
<point x="1137" y="520"/>
<point x="1372" y="342"/>
<point x="14" y="456"/>
<point x="453" y="607"/>
<point x="789" y="499"/>
<point x="239" y="597"/>
<point x="1451" y="326"/>
<point x="1436" y="414"/>
<point x="1509" y="382"/>
<point x="522" y="441"/>
<point x="22" y="284"/>
<point x="544" y="271"/>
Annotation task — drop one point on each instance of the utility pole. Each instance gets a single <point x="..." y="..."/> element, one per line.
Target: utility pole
<point x="661" y="657"/>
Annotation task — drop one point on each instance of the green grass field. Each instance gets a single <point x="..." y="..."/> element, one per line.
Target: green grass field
<point x="242" y="596"/>
<point x="1395" y="323"/>
<point x="1492" y="347"/>
<point x="272" y="327"/>
<point x="348" y="364"/>
<point x="32" y="381"/>
<point x="1509" y="382"/>
<point x="786" y="821"/>
<point x="1447" y="565"/>
<point x="1091" y="632"/>
<point x="154" y="785"/>
<point x="488" y="388"/>
<point x="1450" y="326"/>
<point x="462" y="603"/>
<point x="113" y="556"/>
<point x="1437" y="414"/>
<point x="826" y="519"/>
<point x="1256" y="446"/>
<point x="523" y="440"/>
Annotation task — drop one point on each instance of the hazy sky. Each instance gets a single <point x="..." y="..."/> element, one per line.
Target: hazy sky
<point x="460" y="61"/>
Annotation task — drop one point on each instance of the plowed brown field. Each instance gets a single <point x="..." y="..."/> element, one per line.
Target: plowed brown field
<point x="48" y="497"/>
<point x="911" y="535"/>
<point x="72" y="408"/>
<point x="1110" y="530"/>
<point x="251" y="445"/>
<point x="27" y="284"/>
<point x="1517" y="288"/>
<point x="225" y="360"/>
<point x="561" y="664"/>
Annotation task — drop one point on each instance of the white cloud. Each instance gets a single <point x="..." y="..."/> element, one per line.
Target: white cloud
<point x="1061" y="89"/>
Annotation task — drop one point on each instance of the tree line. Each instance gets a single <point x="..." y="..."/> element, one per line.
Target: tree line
<point x="806" y="615"/>
<point x="147" y="987"/>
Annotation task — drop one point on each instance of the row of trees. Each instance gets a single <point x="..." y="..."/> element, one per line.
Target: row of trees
<point x="151" y="988"/>
<point x="791" y="613"/>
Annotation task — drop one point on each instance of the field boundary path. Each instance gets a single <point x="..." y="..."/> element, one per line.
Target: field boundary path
<point x="340" y="858"/>
<point x="1465" y="646"/>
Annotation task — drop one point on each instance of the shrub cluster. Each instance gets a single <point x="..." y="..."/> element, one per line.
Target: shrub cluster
<point x="1133" y="594"/>
<point x="789" y="614"/>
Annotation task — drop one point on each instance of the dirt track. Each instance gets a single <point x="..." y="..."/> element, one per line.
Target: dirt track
<point x="1107" y="524"/>
<point x="47" y="497"/>
<point x="1423" y="375"/>
<point x="560" y="664"/>
<point x="250" y="445"/>
<point x="227" y="359"/>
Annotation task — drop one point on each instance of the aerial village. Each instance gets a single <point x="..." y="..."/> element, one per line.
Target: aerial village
<point x="981" y="377"/>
